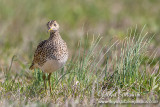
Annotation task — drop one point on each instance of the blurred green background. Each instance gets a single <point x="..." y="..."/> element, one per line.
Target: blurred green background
<point x="23" y="23"/>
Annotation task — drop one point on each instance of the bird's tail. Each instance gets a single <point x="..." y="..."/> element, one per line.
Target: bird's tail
<point x="32" y="66"/>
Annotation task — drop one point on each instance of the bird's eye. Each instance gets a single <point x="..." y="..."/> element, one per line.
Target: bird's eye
<point x="55" y="25"/>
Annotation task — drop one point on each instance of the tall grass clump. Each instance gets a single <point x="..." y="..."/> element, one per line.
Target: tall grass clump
<point x="132" y="53"/>
<point x="131" y="76"/>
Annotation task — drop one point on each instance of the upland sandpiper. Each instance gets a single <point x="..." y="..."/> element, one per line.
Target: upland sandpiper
<point x="51" y="54"/>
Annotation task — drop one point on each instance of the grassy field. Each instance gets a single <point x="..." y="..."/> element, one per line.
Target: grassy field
<point x="114" y="52"/>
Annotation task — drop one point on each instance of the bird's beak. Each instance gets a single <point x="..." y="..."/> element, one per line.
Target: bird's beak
<point x="49" y="29"/>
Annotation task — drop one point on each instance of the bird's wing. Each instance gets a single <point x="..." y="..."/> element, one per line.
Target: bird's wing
<point x="40" y="54"/>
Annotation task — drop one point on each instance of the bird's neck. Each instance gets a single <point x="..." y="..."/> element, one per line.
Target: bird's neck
<point x="54" y="35"/>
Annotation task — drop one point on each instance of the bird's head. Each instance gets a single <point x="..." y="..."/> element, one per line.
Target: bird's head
<point x="52" y="26"/>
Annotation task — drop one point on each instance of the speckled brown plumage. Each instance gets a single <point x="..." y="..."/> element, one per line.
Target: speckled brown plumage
<point x="51" y="54"/>
<point x="52" y="49"/>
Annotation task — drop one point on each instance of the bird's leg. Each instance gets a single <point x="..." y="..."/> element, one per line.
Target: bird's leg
<point x="44" y="77"/>
<point x="50" y="82"/>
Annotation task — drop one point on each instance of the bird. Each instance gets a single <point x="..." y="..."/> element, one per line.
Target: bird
<point x="51" y="54"/>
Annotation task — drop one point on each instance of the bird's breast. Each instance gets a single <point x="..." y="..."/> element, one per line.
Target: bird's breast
<point x="52" y="65"/>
